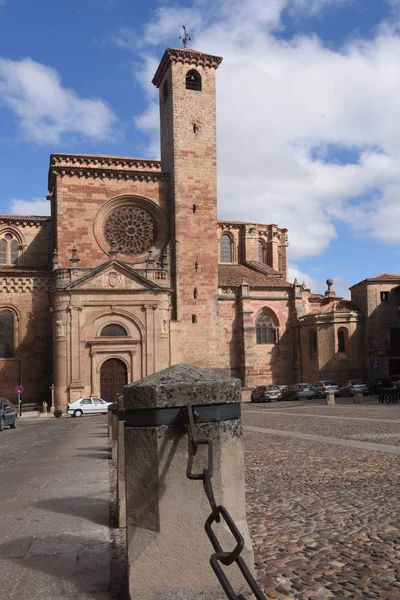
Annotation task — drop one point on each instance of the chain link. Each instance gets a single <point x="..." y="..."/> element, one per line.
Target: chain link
<point x="220" y="557"/>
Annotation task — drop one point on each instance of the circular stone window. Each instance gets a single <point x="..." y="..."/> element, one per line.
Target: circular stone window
<point x="131" y="225"/>
<point x="131" y="229"/>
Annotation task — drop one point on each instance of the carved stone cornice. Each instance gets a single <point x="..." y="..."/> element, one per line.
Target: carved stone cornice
<point x="23" y="220"/>
<point x="100" y="173"/>
<point x="187" y="56"/>
<point x="104" y="166"/>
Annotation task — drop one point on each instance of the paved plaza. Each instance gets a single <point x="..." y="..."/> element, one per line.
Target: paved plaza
<point x="323" y="498"/>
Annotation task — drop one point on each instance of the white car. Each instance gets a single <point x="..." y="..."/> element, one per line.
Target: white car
<point x="88" y="406"/>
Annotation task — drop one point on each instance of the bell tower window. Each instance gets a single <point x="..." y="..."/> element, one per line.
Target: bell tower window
<point x="193" y="80"/>
<point x="8" y="250"/>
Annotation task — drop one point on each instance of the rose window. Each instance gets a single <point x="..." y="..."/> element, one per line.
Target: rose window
<point x="132" y="230"/>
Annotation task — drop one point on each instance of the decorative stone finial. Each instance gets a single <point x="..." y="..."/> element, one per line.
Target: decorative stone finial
<point x="330" y="291"/>
<point x="74" y="260"/>
<point x="185" y="37"/>
<point x="295" y="282"/>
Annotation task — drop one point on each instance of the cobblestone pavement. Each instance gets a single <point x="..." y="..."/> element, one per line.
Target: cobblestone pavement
<point x="324" y="518"/>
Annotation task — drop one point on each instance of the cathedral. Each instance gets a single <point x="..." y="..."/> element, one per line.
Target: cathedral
<point x="132" y="273"/>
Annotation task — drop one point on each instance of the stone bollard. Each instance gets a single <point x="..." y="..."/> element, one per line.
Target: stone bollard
<point x="121" y="493"/>
<point x="330" y="398"/>
<point x="109" y="418"/>
<point x="358" y="397"/>
<point x="168" y="551"/>
<point x="114" y="432"/>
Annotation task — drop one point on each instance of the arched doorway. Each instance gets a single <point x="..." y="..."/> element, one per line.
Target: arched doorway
<point x="113" y="377"/>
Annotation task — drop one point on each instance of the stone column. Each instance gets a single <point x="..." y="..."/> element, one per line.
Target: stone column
<point x="60" y="359"/>
<point x="168" y="551"/>
<point x="93" y="384"/>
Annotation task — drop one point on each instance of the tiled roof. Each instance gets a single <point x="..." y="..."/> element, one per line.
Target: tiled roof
<point x="234" y="275"/>
<point x="384" y="276"/>
<point x="381" y="277"/>
<point x="262" y="268"/>
<point x="335" y="306"/>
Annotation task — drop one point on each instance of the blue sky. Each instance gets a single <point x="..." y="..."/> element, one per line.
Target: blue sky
<point x="308" y="116"/>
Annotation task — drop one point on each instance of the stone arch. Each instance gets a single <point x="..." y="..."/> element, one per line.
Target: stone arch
<point x="14" y="231"/>
<point x="120" y="316"/>
<point x="271" y="313"/>
<point x="108" y="357"/>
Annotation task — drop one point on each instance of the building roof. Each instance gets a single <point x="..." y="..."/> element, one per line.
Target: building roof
<point x="187" y="56"/>
<point x="337" y="305"/>
<point x="382" y="278"/>
<point x="253" y="273"/>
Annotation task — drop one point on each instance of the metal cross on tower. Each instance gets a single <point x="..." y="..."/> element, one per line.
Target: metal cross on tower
<point x="185" y="37"/>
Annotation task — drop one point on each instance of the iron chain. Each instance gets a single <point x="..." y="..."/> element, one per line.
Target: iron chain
<point x="218" y="512"/>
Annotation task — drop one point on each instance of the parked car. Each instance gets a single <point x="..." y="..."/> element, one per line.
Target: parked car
<point x="88" y="406"/>
<point x="8" y="414"/>
<point x="323" y="387"/>
<point x="296" y="391"/>
<point x="395" y="379"/>
<point x="349" y="388"/>
<point x="266" y="393"/>
<point x="374" y="385"/>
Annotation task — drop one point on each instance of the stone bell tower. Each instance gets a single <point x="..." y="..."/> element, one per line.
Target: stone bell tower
<point x="186" y="82"/>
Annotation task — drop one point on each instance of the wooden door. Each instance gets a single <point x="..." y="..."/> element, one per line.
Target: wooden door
<point x="113" y="377"/>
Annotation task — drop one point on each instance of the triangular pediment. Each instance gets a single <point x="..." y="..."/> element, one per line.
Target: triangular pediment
<point x="113" y="276"/>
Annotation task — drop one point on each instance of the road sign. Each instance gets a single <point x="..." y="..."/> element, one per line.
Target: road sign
<point x="375" y="366"/>
<point x="19" y="389"/>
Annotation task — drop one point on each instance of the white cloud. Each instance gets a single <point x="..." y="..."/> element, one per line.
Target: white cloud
<point x="284" y="107"/>
<point x="44" y="109"/>
<point x="36" y="206"/>
<point x="317" y="285"/>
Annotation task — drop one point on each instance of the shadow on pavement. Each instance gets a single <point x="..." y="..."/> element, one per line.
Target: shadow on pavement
<point x="92" y="509"/>
<point x="59" y="566"/>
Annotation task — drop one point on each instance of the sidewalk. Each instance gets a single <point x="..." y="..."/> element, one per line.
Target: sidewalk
<point x="54" y="517"/>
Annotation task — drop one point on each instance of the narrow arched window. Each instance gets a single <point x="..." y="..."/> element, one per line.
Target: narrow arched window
<point x="265" y="330"/>
<point x="14" y="252"/>
<point x="342" y="340"/>
<point x="9" y="250"/>
<point x="6" y="334"/>
<point x="3" y="252"/>
<point x="193" y="80"/>
<point x="261" y="252"/>
<point x="113" y="330"/>
<point x="226" y="248"/>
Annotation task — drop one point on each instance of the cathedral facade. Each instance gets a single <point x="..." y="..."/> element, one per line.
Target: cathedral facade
<point x="133" y="272"/>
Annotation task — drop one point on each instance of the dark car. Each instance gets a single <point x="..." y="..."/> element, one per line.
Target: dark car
<point x="296" y="391"/>
<point x="374" y="385"/>
<point x="266" y="393"/>
<point x="377" y="385"/>
<point x="8" y="414"/>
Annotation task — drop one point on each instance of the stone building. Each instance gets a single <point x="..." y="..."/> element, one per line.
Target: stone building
<point x="133" y="272"/>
